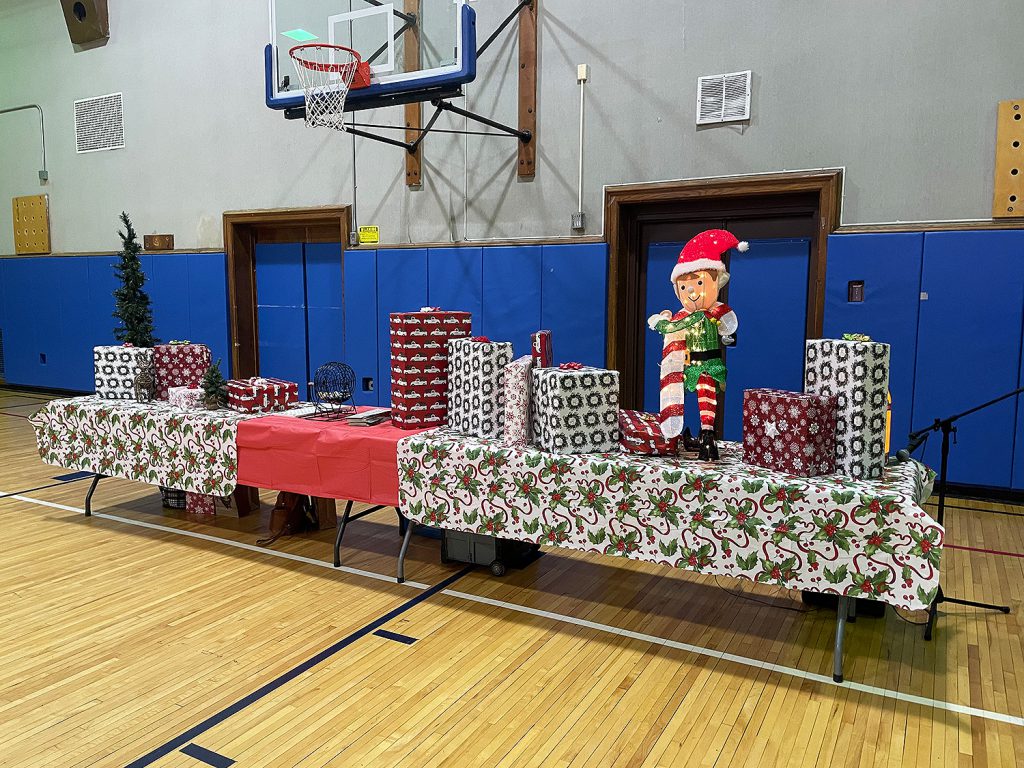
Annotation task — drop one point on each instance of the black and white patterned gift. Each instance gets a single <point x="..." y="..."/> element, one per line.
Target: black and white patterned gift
<point x="576" y="409"/>
<point x="856" y="373"/>
<point x="476" y="385"/>
<point x="115" y="369"/>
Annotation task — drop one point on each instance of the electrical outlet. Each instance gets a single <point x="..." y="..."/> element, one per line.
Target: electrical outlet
<point x="367" y="384"/>
<point x="579" y="220"/>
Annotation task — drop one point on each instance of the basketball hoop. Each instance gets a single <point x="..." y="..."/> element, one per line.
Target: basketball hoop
<point x="326" y="73"/>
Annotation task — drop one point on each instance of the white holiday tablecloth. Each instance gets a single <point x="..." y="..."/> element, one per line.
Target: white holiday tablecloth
<point x="864" y="538"/>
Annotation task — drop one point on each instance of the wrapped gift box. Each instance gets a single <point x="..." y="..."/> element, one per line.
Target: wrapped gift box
<point x="115" y="369"/>
<point x="260" y="395"/>
<point x="518" y="428"/>
<point x="790" y="432"/>
<point x="476" y="385"/>
<point x="576" y="409"/>
<point x="200" y="504"/>
<point x="419" y="364"/>
<point x="640" y="432"/>
<point x="189" y="398"/>
<point x="540" y="346"/>
<point x="179" y="365"/>
<point x="856" y="373"/>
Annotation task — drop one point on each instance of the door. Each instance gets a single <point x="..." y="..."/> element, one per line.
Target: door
<point x="768" y="291"/>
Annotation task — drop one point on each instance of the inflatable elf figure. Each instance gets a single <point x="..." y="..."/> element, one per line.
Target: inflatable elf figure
<point x="691" y="358"/>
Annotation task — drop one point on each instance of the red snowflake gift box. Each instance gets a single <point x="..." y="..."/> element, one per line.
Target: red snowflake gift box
<point x="419" y="365"/>
<point x="260" y="395"/>
<point x="640" y="432"/>
<point x="179" y="364"/>
<point x="789" y="432"/>
<point x="199" y="504"/>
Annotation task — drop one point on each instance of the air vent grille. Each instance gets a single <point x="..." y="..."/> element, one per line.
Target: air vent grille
<point x="99" y="123"/>
<point x="723" y="98"/>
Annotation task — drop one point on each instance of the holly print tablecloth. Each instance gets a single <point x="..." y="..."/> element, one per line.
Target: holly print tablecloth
<point x="154" y="443"/>
<point x="865" y="538"/>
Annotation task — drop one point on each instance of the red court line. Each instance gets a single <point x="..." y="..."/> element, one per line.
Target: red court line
<point x="985" y="551"/>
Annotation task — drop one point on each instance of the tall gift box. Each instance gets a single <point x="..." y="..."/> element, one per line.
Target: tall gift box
<point x="576" y="409"/>
<point x="856" y="373"/>
<point x="518" y="383"/>
<point x="540" y="348"/>
<point x="476" y="385"/>
<point x="179" y="365"/>
<point x="116" y="367"/>
<point x="790" y="432"/>
<point x="419" y="364"/>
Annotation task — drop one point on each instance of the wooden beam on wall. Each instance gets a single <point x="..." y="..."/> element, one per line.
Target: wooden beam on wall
<point x="414" y="111"/>
<point x="1008" y="184"/>
<point x="528" y="88"/>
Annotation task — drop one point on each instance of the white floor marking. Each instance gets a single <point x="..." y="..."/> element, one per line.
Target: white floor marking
<point x="653" y="639"/>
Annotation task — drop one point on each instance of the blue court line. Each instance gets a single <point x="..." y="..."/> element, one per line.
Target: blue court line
<point x="51" y="485"/>
<point x="395" y="636"/>
<point x="74" y="476"/>
<point x="178" y="741"/>
<point x="206" y="756"/>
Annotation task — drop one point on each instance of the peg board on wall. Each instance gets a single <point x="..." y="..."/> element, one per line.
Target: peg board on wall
<point x="31" y="224"/>
<point x="1008" y="195"/>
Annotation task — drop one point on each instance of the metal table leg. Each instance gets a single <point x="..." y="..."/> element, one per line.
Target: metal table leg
<point x="88" y="496"/>
<point x="842" y="612"/>
<point x="409" y="525"/>
<point x="341" y="532"/>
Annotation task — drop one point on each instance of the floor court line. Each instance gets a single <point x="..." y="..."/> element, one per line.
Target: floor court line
<point x="605" y="628"/>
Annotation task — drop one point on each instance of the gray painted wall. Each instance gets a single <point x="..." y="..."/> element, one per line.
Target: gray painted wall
<point x="903" y="94"/>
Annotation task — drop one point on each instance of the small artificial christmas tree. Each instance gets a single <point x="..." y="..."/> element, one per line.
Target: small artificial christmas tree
<point x="132" y="307"/>
<point x="215" y="388"/>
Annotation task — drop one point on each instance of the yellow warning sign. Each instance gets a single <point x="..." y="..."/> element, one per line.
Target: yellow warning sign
<point x="369" y="235"/>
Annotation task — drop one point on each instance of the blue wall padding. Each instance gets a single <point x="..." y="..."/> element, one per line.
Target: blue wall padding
<point x="360" y="312"/>
<point x="511" y="295"/>
<point x="1017" y="477"/>
<point x="401" y="287"/>
<point x="968" y="352"/>
<point x="168" y="286"/>
<point x="661" y="258"/>
<point x="574" y="303"/>
<point x="890" y="266"/>
<point x="208" y="305"/>
<point x="325" y="302"/>
<point x="454" y="279"/>
<point x="768" y="291"/>
<point x="281" y="312"/>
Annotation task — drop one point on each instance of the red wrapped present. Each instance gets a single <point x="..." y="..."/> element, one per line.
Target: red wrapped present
<point x="260" y="395"/>
<point x="419" y="364"/>
<point x="640" y="432"/>
<point x="179" y="364"/>
<point x="540" y="346"/>
<point x="199" y="504"/>
<point x="790" y="432"/>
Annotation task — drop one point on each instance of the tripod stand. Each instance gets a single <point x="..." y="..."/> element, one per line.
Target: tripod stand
<point x="914" y="440"/>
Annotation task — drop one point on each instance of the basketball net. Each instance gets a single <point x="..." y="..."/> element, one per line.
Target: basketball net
<point x="325" y="73"/>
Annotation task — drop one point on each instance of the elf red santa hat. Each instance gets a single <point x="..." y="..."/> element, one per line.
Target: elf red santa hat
<point x="704" y="252"/>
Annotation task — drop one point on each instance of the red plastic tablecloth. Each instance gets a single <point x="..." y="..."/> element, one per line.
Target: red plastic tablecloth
<point x="330" y="459"/>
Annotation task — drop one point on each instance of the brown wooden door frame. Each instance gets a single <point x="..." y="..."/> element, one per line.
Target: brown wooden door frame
<point x="242" y="231"/>
<point x="628" y="207"/>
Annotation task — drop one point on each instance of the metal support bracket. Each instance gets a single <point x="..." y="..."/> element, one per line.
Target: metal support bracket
<point x="524" y="136"/>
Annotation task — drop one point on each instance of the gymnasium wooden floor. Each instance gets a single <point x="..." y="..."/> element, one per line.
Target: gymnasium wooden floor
<point x="132" y="635"/>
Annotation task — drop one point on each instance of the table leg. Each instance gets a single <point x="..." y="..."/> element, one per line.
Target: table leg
<point x="402" y="523"/>
<point x="88" y="496"/>
<point x="409" y="525"/>
<point x="341" y="532"/>
<point x="842" y="612"/>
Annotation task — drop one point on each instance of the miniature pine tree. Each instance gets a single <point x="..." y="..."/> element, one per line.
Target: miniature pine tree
<point x="131" y="303"/>
<point x="215" y="388"/>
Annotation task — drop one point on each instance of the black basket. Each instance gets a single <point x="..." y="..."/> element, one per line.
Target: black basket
<point x="172" y="498"/>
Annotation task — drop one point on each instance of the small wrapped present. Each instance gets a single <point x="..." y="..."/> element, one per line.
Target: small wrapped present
<point x="640" y="432"/>
<point x="540" y="346"/>
<point x="261" y="395"/>
<point x="200" y="504"/>
<point x="419" y="364"/>
<point x="790" y="432"/>
<point x="518" y="381"/>
<point x="189" y="398"/>
<point x="179" y="364"/>
<point x="856" y="373"/>
<point x="117" y="368"/>
<point x="476" y="393"/>
<point x="576" y="409"/>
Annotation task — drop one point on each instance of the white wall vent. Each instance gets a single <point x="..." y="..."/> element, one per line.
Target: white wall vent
<point x="723" y="98"/>
<point x="99" y="123"/>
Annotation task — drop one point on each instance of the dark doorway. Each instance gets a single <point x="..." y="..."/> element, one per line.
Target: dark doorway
<point x="645" y="222"/>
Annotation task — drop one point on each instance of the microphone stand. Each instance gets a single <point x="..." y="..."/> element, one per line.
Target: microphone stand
<point x="914" y="440"/>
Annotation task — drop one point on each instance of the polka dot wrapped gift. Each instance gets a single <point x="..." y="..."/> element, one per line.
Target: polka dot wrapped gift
<point x="576" y="409"/>
<point x="115" y="369"/>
